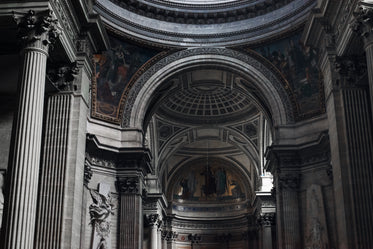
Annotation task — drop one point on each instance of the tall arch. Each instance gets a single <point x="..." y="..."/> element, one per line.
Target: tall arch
<point x="276" y="95"/>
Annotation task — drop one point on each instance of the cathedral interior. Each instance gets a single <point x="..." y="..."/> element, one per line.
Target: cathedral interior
<point x="185" y="124"/>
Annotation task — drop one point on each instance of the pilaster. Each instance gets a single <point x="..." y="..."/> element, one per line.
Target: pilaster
<point x="350" y="122"/>
<point x="133" y="165"/>
<point x="37" y="31"/>
<point x="62" y="161"/>
<point x="267" y="222"/>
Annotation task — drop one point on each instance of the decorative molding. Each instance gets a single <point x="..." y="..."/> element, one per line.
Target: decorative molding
<point x="65" y="17"/>
<point x="189" y="14"/>
<point x="128" y="185"/>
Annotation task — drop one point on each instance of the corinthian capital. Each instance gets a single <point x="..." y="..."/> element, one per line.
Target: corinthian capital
<point x="363" y="22"/>
<point x="36" y="29"/>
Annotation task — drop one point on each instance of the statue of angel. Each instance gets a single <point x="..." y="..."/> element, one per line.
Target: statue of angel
<point x="101" y="207"/>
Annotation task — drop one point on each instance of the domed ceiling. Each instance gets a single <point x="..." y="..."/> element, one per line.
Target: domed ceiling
<point x="186" y="23"/>
<point x="207" y="97"/>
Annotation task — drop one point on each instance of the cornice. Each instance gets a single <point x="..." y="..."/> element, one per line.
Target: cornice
<point x="232" y="33"/>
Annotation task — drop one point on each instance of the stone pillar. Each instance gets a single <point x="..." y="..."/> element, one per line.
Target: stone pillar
<point x="37" y="31"/>
<point x="284" y="164"/>
<point x="55" y="158"/>
<point x="266" y="222"/>
<point x="350" y="132"/>
<point x="363" y="25"/>
<point x="131" y="213"/>
<point x="287" y="185"/>
<point x="152" y="221"/>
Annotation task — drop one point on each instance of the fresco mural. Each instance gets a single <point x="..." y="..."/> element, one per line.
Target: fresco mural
<point x="113" y="72"/>
<point x="208" y="182"/>
<point x="298" y="64"/>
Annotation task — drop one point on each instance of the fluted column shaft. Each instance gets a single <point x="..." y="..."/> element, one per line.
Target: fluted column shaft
<point x="49" y="224"/>
<point x="25" y="157"/>
<point x="131" y="213"/>
<point x="369" y="55"/>
<point x="291" y="219"/>
<point x="37" y="31"/>
<point x="154" y="237"/>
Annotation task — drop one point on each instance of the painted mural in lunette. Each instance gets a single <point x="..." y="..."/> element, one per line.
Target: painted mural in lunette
<point x="208" y="182"/>
<point x="298" y="64"/>
<point x="113" y="71"/>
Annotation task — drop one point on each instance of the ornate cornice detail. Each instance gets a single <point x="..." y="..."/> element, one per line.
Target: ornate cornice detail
<point x="267" y="219"/>
<point x="62" y="77"/>
<point x="126" y="22"/>
<point x="63" y="10"/>
<point x="37" y="29"/>
<point x="128" y="185"/>
<point x="189" y="14"/>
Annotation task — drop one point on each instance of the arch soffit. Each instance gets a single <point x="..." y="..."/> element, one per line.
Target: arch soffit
<point x="268" y="81"/>
<point x="180" y="139"/>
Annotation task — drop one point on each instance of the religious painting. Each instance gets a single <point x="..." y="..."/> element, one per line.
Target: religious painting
<point x="298" y="65"/>
<point x="114" y="70"/>
<point x="208" y="182"/>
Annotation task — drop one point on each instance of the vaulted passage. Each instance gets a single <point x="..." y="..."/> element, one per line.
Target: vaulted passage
<point x="185" y="124"/>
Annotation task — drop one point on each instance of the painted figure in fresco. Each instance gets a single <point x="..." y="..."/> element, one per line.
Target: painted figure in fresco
<point x="221" y="181"/>
<point x="192" y="182"/>
<point x="185" y="192"/>
<point x="236" y="191"/>
<point x="209" y="187"/>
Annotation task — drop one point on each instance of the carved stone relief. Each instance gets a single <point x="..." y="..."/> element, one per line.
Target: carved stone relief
<point x="316" y="234"/>
<point x="100" y="211"/>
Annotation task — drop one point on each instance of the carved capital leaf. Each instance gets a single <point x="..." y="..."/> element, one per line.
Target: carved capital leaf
<point x="37" y="29"/>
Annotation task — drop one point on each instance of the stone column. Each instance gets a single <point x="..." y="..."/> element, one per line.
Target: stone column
<point x="37" y="31"/>
<point x="266" y="222"/>
<point x="131" y="213"/>
<point x="153" y="222"/>
<point x="363" y="26"/>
